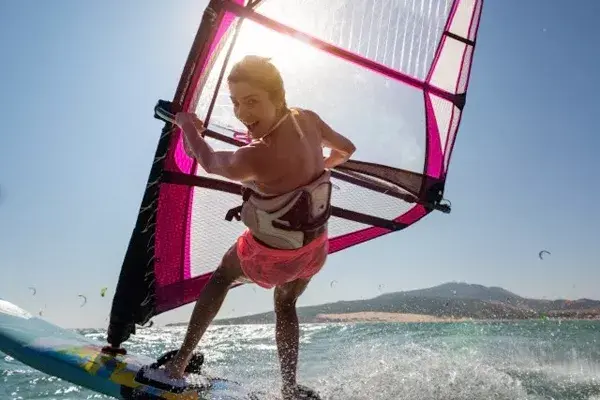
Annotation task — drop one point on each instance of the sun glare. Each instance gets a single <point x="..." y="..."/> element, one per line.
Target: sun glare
<point x="288" y="54"/>
<point x="297" y="61"/>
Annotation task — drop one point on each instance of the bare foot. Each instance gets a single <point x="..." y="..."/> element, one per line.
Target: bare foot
<point x="289" y="392"/>
<point x="175" y="368"/>
<point x="299" y="392"/>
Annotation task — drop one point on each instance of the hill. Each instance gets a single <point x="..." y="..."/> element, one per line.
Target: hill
<point x="449" y="300"/>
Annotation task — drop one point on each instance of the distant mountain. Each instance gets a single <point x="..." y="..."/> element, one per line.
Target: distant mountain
<point x="462" y="290"/>
<point x="453" y="299"/>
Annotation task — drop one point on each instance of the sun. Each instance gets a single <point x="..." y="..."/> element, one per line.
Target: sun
<point x="287" y="53"/>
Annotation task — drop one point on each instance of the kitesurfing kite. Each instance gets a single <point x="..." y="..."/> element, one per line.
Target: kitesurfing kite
<point x="33" y="290"/>
<point x="390" y="75"/>
<point x="84" y="300"/>
<point x="541" y="254"/>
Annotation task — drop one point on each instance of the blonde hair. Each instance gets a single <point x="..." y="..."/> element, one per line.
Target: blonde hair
<point x="260" y="72"/>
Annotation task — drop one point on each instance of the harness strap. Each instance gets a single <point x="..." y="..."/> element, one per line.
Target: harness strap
<point x="295" y="214"/>
<point x="236" y="212"/>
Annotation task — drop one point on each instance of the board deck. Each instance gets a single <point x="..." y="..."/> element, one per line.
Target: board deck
<point x="73" y="357"/>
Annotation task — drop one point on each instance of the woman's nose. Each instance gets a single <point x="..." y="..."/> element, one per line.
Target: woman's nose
<point x="244" y="116"/>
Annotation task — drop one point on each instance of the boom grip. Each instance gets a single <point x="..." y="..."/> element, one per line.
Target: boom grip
<point x="445" y="208"/>
<point x="163" y="111"/>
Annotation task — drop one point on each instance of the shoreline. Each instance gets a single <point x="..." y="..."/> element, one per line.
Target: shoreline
<point x="376" y="316"/>
<point x="392" y="317"/>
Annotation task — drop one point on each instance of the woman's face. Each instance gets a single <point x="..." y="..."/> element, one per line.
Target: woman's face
<point x="253" y="107"/>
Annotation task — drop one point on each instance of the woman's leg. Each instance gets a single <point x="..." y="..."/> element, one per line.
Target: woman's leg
<point x="287" y="332"/>
<point x="207" y="307"/>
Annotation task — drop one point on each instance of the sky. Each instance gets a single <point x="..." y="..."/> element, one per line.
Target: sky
<point x="79" y="82"/>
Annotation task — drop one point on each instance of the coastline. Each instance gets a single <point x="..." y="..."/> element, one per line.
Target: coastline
<point x="375" y="316"/>
<point x="392" y="317"/>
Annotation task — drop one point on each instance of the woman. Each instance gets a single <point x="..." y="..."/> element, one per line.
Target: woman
<point x="286" y="204"/>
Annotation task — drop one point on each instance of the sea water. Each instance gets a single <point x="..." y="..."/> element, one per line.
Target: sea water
<point x="469" y="360"/>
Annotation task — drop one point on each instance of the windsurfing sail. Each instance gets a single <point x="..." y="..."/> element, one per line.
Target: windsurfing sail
<point x="392" y="75"/>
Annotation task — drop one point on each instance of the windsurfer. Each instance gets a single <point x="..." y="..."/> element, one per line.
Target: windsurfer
<point x="286" y="206"/>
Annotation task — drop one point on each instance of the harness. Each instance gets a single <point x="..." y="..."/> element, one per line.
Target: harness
<point x="290" y="220"/>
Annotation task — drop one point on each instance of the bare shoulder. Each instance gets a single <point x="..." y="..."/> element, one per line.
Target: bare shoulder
<point x="312" y="119"/>
<point x="324" y="128"/>
<point x="254" y="155"/>
<point x="315" y="118"/>
<point x="308" y="113"/>
<point x="252" y="151"/>
<point x="329" y="136"/>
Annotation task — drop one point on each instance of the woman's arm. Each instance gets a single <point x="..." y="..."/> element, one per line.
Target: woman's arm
<point x="238" y="165"/>
<point x="341" y="147"/>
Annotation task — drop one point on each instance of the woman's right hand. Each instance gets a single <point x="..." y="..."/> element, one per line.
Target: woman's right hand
<point x="182" y="118"/>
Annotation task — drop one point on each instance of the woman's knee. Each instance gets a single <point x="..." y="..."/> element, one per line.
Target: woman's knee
<point x="284" y="305"/>
<point x="285" y="296"/>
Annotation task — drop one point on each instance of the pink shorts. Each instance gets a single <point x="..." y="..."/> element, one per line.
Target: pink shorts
<point x="269" y="267"/>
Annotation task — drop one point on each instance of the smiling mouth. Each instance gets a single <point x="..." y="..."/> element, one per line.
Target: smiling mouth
<point x="252" y="125"/>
